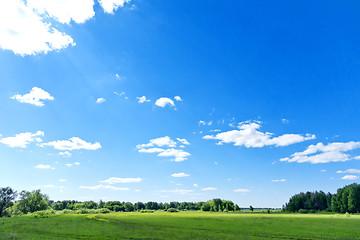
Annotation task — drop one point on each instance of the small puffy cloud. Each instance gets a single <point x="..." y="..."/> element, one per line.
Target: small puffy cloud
<point x="68" y="164"/>
<point x="352" y="171"/>
<point x="242" y="190"/>
<point x="65" y="154"/>
<point x="114" y="180"/>
<point x="62" y="180"/>
<point x="162" y="102"/>
<point x="196" y="185"/>
<point x="177" y="191"/>
<point x="160" y="142"/>
<point x="180" y="175"/>
<point x="43" y="166"/>
<point x="201" y="122"/>
<point x="142" y="99"/>
<point x="183" y="141"/>
<point x="73" y="143"/>
<point x="36" y="97"/>
<point x="279" y="180"/>
<point x="100" y="187"/>
<point x="350" y="177"/>
<point x="320" y="153"/>
<point x="209" y="189"/>
<point x="76" y="163"/>
<point x="22" y="139"/>
<point x="100" y="100"/>
<point x="110" y="6"/>
<point x="249" y="135"/>
<point x="284" y="121"/>
<point x="25" y="31"/>
<point x="178" y="98"/>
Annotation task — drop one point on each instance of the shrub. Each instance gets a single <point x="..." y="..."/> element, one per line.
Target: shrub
<point x="172" y="210"/>
<point x="146" y="211"/>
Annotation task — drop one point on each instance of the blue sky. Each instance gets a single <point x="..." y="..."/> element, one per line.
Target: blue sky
<point x="249" y="101"/>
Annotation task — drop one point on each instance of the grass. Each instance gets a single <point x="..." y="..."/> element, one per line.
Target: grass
<point x="182" y="225"/>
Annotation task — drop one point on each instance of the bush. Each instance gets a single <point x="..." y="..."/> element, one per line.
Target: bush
<point x="303" y="211"/>
<point x="102" y="210"/>
<point x="146" y="211"/>
<point x="172" y="210"/>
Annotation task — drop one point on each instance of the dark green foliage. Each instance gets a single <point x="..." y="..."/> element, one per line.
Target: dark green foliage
<point x="316" y="201"/>
<point x="7" y="196"/>
<point x="347" y="199"/>
<point x="30" y="202"/>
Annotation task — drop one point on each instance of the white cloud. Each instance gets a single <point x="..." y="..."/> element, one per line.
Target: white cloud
<point x="209" y="189"/>
<point x="284" y="121"/>
<point x="143" y="99"/>
<point x="65" y="10"/>
<point x="73" y="143"/>
<point x="76" y="163"/>
<point x="100" y="100"/>
<point x="22" y="139"/>
<point x="183" y="141"/>
<point x="179" y="155"/>
<point x="180" y="175"/>
<point x="110" y="6"/>
<point x="177" y="191"/>
<point x="42" y="166"/>
<point x="160" y="142"/>
<point x="353" y="171"/>
<point x="322" y="170"/>
<point x="99" y="187"/>
<point x="162" y="102"/>
<point x="350" y="177"/>
<point x="196" y="185"/>
<point x="242" y="190"/>
<point x="114" y="180"/>
<point x="154" y="144"/>
<point x="249" y="135"/>
<point x="25" y="32"/>
<point x="320" y="153"/>
<point x="65" y="154"/>
<point x="279" y="180"/>
<point x="178" y="98"/>
<point x="68" y="164"/>
<point x="62" y="180"/>
<point x="201" y="122"/>
<point x="35" y="97"/>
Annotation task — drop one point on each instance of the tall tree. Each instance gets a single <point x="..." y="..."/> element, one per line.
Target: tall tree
<point x="7" y="196"/>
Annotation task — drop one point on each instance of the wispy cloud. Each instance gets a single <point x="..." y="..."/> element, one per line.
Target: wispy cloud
<point x="249" y="135"/>
<point x="106" y="187"/>
<point x="114" y="180"/>
<point x="242" y="190"/>
<point x="100" y="100"/>
<point x="73" y="143"/>
<point x="178" y="175"/>
<point x="320" y="153"/>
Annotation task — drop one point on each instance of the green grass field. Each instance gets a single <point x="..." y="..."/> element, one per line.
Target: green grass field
<point x="182" y="225"/>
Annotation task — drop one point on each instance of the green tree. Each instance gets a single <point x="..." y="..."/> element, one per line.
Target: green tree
<point x="7" y="196"/>
<point x="32" y="201"/>
<point x="251" y="208"/>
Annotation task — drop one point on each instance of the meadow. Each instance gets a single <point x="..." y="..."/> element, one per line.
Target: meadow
<point x="182" y="225"/>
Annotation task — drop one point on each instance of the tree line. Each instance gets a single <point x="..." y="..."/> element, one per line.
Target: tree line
<point x="346" y="200"/>
<point x="29" y="202"/>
